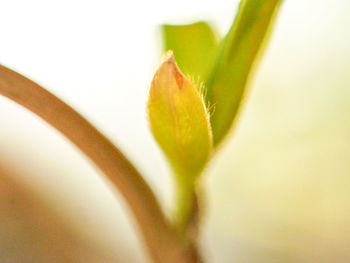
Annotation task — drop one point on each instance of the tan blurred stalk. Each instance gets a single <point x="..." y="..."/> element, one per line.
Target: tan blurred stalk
<point x="31" y="232"/>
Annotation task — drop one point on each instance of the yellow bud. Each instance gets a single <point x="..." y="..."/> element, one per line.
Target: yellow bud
<point x="180" y="123"/>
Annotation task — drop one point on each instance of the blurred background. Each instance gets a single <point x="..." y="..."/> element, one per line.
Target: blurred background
<point x="279" y="190"/>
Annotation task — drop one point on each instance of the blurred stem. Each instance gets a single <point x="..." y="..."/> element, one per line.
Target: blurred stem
<point x="187" y="215"/>
<point x="162" y="241"/>
<point x="185" y="206"/>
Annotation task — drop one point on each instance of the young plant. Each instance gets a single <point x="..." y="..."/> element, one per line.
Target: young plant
<point x="188" y="119"/>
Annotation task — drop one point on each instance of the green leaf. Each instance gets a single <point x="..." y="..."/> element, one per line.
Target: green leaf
<point x="226" y="85"/>
<point x="180" y="124"/>
<point x="195" y="47"/>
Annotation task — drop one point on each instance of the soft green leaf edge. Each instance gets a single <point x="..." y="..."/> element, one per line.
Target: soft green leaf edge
<point x="195" y="47"/>
<point x="226" y="85"/>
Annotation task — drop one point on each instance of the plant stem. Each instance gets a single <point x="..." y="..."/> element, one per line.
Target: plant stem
<point x="162" y="241"/>
<point x="186" y="213"/>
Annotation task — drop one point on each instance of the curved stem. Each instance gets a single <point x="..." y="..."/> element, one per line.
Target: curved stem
<point x="161" y="240"/>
